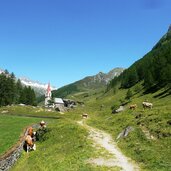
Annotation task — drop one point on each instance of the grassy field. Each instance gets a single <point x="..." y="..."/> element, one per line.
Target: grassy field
<point x="151" y="153"/>
<point x="67" y="147"/>
<point x="28" y="111"/>
<point x="12" y="124"/>
<point x="11" y="128"/>
<point x="150" y="142"/>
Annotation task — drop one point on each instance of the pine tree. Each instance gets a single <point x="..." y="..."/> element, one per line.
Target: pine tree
<point x="19" y="89"/>
<point x="23" y="96"/>
<point x="129" y="94"/>
<point x="2" y="89"/>
<point x="148" y="80"/>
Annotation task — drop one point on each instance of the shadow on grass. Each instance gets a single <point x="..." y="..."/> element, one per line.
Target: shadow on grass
<point x="163" y="94"/>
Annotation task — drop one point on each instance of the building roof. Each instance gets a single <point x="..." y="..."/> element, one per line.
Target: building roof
<point x="58" y="100"/>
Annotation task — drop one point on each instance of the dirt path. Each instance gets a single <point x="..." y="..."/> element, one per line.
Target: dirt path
<point x="104" y="141"/>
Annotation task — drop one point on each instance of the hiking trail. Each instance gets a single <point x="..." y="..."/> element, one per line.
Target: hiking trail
<point x="103" y="140"/>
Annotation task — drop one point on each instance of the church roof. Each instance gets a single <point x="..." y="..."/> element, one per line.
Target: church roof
<point x="58" y="101"/>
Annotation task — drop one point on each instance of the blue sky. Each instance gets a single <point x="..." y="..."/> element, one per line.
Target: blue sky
<point x="62" y="41"/>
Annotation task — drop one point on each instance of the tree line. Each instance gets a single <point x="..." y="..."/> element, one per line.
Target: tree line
<point x="13" y="92"/>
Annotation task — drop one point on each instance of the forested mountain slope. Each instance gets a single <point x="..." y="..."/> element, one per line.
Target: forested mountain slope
<point x="154" y="68"/>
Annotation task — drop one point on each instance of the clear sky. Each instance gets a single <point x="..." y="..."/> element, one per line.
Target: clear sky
<point x="62" y="41"/>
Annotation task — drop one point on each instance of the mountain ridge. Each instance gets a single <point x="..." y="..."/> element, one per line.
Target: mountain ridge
<point x="89" y="83"/>
<point x="40" y="88"/>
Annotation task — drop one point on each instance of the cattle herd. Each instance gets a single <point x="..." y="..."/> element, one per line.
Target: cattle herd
<point x="30" y="138"/>
<point x="145" y="105"/>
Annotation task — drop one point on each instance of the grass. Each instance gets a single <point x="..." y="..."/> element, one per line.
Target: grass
<point x="150" y="154"/>
<point x="11" y="127"/>
<point x="67" y="146"/>
<point x="28" y="111"/>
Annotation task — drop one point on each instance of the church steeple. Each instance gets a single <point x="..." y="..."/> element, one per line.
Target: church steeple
<point x="48" y="94"/>
<point x="48" y="91"/>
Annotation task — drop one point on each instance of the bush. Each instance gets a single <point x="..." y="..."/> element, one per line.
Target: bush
<point x="40" y="134"/>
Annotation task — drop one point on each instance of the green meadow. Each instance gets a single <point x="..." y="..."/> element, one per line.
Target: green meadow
<point x="66" y="146"/>
<point x="11" y="127"/>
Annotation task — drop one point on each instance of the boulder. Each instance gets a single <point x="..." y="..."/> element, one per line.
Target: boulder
<point x="120" y="109"/>
<point x="125" y="132"/>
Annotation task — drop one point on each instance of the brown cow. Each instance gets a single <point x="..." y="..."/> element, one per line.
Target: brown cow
<point x="133" y="106"/>
<point x="30" y="131"/>
<point x="29" y="143"/>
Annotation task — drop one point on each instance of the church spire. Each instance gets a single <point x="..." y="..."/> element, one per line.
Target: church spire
<point x="48" y="94"/>
<point x="48" y="88"/>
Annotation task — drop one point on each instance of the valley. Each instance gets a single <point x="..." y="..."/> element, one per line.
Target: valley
<point x="68" y="145"/>
<point x="126" y="124"/>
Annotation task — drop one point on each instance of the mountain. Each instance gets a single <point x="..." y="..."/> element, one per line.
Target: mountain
<point x="1" y="71"/>
<point x="99" y="80"/>
<point x="89" y="83"/>
<point x="154" y="69"/>
<point x="38" y="87"/>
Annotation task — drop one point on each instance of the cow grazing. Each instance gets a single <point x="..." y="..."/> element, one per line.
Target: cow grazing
<point x="43" y="124"/>
<point x="147" y="105"/>
<point x="133" y="106"/>
<point x="29" y="144"/>
<point x="30" y="131"/>
<point x="85" y="115"/>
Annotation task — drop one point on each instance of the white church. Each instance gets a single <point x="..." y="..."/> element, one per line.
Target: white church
<point x="48" y="97"/>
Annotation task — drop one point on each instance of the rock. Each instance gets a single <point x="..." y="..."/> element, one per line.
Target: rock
<point x="120" y="109"/>
<point x="68" y="102"/>
<point x="125" y="132"/>
<point x="60" y="108"/>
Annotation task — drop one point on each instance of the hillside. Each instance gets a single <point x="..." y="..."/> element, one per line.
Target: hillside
<point x="69" y="146"/>
<point x="154" y="69"/>
<point x="88" y="84"/>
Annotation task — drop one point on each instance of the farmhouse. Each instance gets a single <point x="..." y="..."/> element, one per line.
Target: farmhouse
<point x="58" y="102"/>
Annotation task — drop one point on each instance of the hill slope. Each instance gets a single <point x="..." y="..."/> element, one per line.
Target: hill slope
<point x="154" y="69"/>
<point x="88" y="84"/>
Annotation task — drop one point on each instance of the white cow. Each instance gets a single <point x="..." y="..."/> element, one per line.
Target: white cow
<point x="147" y="105"/>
